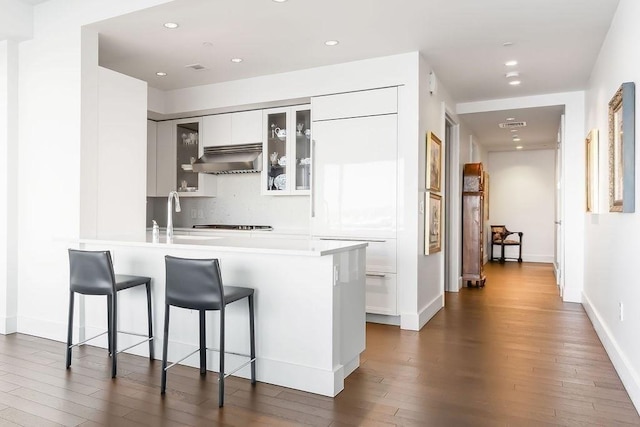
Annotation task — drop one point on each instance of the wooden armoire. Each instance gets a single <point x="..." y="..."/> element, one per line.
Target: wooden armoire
<point x="473" y="225"/>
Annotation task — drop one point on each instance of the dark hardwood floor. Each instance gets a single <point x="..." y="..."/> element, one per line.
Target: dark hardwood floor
<point x="509" y="354"/>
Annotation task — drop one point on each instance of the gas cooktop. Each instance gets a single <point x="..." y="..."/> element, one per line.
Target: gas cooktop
<point x="233" y="227"/>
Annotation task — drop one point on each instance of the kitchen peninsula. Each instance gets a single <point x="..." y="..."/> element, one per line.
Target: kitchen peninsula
<point x="310" y="304"/>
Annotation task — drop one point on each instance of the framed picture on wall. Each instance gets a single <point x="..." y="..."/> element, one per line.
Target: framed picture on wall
<point x="433" y="163"/>
<point x="591" y="171"/>
<point x="622" y="149"/>
<point x="433" y="223"/>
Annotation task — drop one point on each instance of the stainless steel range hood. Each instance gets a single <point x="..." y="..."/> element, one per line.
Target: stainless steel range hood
<point x="244" y="158"/>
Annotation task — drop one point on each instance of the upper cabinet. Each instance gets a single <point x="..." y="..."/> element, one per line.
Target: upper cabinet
<point x="287" y="151"/>
<point x="244" y="127"/>
<point x="356" y="104"/>
<point x="178" y="145"/>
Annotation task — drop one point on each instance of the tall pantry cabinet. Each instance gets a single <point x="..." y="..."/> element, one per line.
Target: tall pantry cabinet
<point x="354" y="182"/>
<point x="473" y="225"/>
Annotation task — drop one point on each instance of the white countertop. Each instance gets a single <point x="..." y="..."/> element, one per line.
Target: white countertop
<point x="279" y="246"/>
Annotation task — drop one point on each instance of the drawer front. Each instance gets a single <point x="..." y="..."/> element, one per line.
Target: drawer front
<point x="381" y="256"/>
<point x="355" y="104"/>
<point x="381" y="294"/>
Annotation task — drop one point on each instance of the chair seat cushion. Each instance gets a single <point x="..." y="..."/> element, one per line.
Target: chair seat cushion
<point x="124" y="281"/>
<point x="231" y="294"/>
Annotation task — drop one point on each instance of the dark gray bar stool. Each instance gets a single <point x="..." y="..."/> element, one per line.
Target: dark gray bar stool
<point x="196" y="284"/>
<point x="91" y="273"/>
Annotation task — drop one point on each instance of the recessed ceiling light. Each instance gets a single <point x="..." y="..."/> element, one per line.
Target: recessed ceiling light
<point x="519" y="147"/>
<point x="507" y="44"/>
<point x="279" y="1"/>
<point x="510" y="118"/>
<point x="331" y="42"/>
<point x="512" y="63"/>
<point x="512" y="74"/>
<point x="515" y="82"/>
<point x="171" y="25"/>
<point x="161" y="74"/>
<point x="516" y="139"/>
<point x="513" y="130"/>
<point x="236" y="60"/>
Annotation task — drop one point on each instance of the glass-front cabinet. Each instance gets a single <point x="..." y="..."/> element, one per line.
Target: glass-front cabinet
<point x="287" y="151"/>
<point x="178" y="147"/>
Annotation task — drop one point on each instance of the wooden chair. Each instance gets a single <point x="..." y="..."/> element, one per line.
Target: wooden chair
<point x="499" y="236"/>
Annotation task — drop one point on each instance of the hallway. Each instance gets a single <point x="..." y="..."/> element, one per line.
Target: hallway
<point x="509" y="354"/>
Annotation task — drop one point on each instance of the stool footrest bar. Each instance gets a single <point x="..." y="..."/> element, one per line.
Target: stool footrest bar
<point x="133" y="345"/>
<point x="87" y="340"/>
<point x="178" y="361"/>
<point x="239" y="367"/>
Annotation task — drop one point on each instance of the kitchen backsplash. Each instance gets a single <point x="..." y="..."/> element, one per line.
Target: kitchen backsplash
<point x="238" y="202"/>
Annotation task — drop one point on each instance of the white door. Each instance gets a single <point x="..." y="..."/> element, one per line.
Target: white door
<point x="354" y="172"/>
<point x="559" y="244"/>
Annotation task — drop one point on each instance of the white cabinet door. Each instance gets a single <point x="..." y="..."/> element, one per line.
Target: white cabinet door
<point x="355" y="104"/>
<point x="151" y="158"/>
<point x="216" y="130"/>
<point x="177" y="147"/>
<point x="286" y="151"/>
<point x="354" y="178"/>
<point x="381" y="294"/>
<point x="246" y="127"/>
<point x="165" y="158"/>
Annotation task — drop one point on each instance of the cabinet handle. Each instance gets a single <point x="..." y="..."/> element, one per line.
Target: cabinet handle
<point x="375" y="275"/>
<point x="313" y="181"/>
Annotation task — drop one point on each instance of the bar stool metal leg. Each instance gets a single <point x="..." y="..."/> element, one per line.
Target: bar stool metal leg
<point x="114" y="334"/>
<point x="165" y="344"/>
<point x="151" y="343"/>
<point x="70" y="329"/>
<point x="252" y="340"/>
<point x="203" y="344"/>
<point x="109" y="323"/>
<point x="221" y="372"/>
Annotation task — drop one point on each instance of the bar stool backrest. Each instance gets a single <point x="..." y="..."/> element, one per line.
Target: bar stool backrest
<point x="194" y="283"/>
<point x="91" y="272"/>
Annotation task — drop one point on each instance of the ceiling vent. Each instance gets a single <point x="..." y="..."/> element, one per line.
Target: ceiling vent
<point x="196" y="67"/>
<point x="511" y="125"/>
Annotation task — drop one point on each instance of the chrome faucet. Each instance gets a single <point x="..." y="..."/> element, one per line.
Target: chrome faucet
<point x="172" y="195"/>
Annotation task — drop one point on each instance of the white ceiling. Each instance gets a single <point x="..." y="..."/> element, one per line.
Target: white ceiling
<point x="555" y="41"/>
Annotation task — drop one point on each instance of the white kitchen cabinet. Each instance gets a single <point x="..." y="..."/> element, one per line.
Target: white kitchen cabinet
<point x="216" y="130"/>
<point x="355" y="177"/>
<point x="356" y="104"/>
<point x="151" y="158"/>
<point x="244" y="127"/>
<point x="287" y="151"/>
<point x="178" y="146"/>
<point x="354" y="183"/>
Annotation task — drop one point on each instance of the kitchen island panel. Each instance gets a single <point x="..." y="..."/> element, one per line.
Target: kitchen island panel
<point x="310" y="319"/>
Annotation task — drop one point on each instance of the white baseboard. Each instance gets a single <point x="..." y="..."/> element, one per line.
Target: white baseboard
<point x="383" y="319"/>
<point x="8" y="325"/>
<point x="415" y="322"/>
<point x="628" y="375"/>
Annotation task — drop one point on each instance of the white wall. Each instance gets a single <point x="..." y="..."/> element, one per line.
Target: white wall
<point x="120" y="166"/>
<point x="522" y="197"/>
<point x="16" y="20"/>
<point x="8" y="185"/>
<point x="50" y="105"/>
<point x="612" y="240"/>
